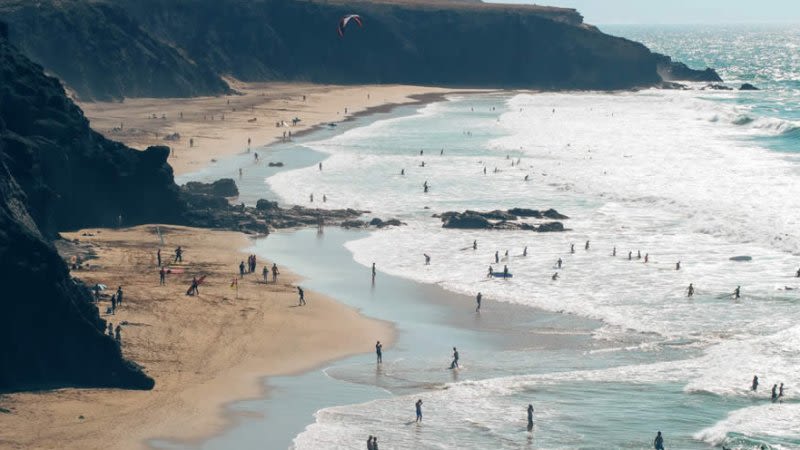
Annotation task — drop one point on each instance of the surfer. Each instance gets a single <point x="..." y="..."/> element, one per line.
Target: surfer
<point x="418" y="407"/>
<point x="525" y="251"/>
<point x="690" y="290"/>
<point x="754" y="387"/>
<point x="737" y="292"/>
<point x="478" y="299"/>
<point x="427" y="259"/>
<point x="555" y="276"/>
<point x="658" y="442"/>
<point x="505" y="271"/>
<point x="530" y="417"/>
<point x="454" y="364"/>
<point x="559" y="262"/>
<point x="475" y="245"/>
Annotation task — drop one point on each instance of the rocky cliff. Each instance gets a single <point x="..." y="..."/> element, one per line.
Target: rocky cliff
<point x="110" y="49"/>
<point x="56" y="173"/>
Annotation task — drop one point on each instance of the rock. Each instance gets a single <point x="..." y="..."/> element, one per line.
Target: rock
<point x="376" y="222"/>
<point x="275" y="164"/>
<point x="264" y="205"/>
<point x="466" y="220"/>
<point x="670" y="70"/>
<point x="224" y="187"/>
<point x="173" y="137"/>
<point x="550" y="227"/>
<point x="717" y="87"/>
<point x="496" y="215"/>
<point x="553" y="214"/>
<point x="748" y="87"/>
<point x="526" y="212"/>
<point x="353" y="224"/>
<point x="392" y="223"/>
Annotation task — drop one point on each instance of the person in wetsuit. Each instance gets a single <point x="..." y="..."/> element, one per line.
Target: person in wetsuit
<point x="658" y="442"/>
<point x="454" y="364"/>
<point x="690" y="290"/>
<point x="478" y="299"/>
<point x="754" y="387"/>
<point x="737" y="292"/>
<point x="530" y="417"/>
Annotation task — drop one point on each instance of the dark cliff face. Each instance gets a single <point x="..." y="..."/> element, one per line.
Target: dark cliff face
<point x="101" y="53"/>
<point x="72" y="176"/>
<point x="411" y="42"/>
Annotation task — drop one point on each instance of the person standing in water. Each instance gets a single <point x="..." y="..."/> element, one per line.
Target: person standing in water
<point x="402" y="171"/>
<point x="737" y="292"/>
<point x="614" y="251"/>
<point x="454" y="364"/>
<point x="275" y="273"/>
<point x="638" y="254"/>
<point x="774" y="393"/>
<point x="525" y="251"/>
<point x="658" y="442"/>
<point x="418" y="407"/>
<point x="496" y="257"/>
<point x="505" y="271"/>
<point x="559" y="262"/>
<point x="369" y="443"/>
<point x="379" y="352"/>
<point x="425" y="186"/>
<point x="678" y="265"/>
<point x="478" y="299"/>
<point x="754" y="386"/>
<point x="530" y="417"/>
<point x="630" y="256"/>
<point x="475" y="244"/>
<point x="780" y="392"/>
<point x="586" y="247"/>
<point x="427" y="259"/>
<point x="373" y="272"/>
<point x="690" y="290"/>
<point x="572" y="248"/>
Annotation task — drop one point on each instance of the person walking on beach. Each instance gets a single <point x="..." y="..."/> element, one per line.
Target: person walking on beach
<point x="113" y="303"/>
<point x="178" y="254"/>
<point x="736" y="292"/>
<point x="119" y="295"/>
<point x="454" y="364"/>
<point x="300" y="293"/>
<point x="478" y="299"/>
<point x="530" y="417"/>
<point x="158" y="257"/>
<point x="379" y="352"/>
<point x="275" y="273"/>
<point x="690" y="290"/>
<point x="658" y="442"/>
<point x="241" y="269"/>
<point x="755" y="383"/>
<point x="418" y="407"/>
<point x="118" y="334"/>
<point x="265" y="274"/>
<point x="193" y="289"/>
<point x="162" y="275"/>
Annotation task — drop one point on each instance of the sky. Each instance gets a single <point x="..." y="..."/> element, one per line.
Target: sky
<point x="600" y="12"/>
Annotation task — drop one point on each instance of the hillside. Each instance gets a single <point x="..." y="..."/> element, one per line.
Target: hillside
<point x="104" y="49"/>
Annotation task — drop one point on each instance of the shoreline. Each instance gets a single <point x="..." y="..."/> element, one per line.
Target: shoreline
<point x="251" y="115"/>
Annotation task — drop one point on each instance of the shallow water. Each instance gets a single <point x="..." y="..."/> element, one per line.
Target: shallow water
<point x="614" y="350"/>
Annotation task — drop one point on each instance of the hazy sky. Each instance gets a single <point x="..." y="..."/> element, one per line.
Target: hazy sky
<point x="679" y="11"/>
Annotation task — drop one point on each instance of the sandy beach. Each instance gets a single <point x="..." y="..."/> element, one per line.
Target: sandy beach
<point x="221" y="126"/>
<point x="203" y="351"/>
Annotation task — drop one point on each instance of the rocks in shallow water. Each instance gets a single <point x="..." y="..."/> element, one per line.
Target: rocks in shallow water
<point x="275" y="164"/>
<point x="748" y="87"/>
<point x="354" y="224"/>
<point x="502" y="220"/>
<point x="263" y="205"/>
<point x="717" y="87"/>
<point x="224" y="187"/>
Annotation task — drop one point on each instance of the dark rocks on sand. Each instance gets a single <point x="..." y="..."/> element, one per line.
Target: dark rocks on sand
<point x="224" y="187"/>
<point x="263" y="205"/>
<point x="748" y="87"/>
<point x="173" y="137"/>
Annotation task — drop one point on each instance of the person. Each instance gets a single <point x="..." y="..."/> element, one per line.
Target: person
<point x="427" y="259"/>
<point x="646" y="257"/>
<point x="491" y="272"/>
<point x="162" y="275"/>
<point x="178" y="254"/>
<point x="193" y="288"/>
<point x="110" y="330"/>
<point x="678" y="265"/>
<point x="475" y="244"/>
<point x="559" y="262"/>
<point x="798" y="273"/>
<point x="496" y="257"/>
<point x="402" y="171"/>
<point x="373" y="272"/>
<point x="369" y="443"/>
<point x="119" y="295"/>
<point x="158" y="257"/>
<point x="638" y="254"/>
<point x="736" y="292"/>
<point x="324" y="198"/>
<point x="265" y="273"/>
<point x="530" y="417"/>
<point x="311" y="198"/>
<point x="418" y="407"/>
<point x="505" y="271"/>
<point x="690" y="290"/>
<point x="113" y="303"/>
<point x="506" y="255"/>
<point x="320" y="167"/>
<point x="425" y="186"/>
<point x="555" y="276"/>
<point x="780" y="391"/>
<point x="526" y="177"/>
<point x="658" y="442"/>
<point x="255" y="156"/>
<point x="572" y="248"/>
<point x="614" y="251"/>
<point x="421" y="152"/>
<point x="118" y="334"/>
<point x="484" y="170"/>
<point x="454" y="364"/>
<point x="302" y="296"/>
<point x="586" y="247"/>
<point x="525" y="251"/>
<point x="375" y="443"/>
<point x="755" y="383"/>
<point x="275" y="273"/>
<point x="478" y="299"/>
<point x="379" y="352"/>
<point x="774" y="393"/>
<point x="240" y="172"/>
<point x="630" y="256"/>
<point x="241" y="269"/>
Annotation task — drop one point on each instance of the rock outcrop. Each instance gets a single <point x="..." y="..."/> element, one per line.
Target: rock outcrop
<point x="502" y="220"/>
<point x="748" y="87"/>
<point x="108" y="49"/>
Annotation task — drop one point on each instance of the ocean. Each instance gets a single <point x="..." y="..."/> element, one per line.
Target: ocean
<point x="613" y="350"/>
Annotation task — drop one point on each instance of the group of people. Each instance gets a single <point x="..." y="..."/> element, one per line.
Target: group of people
<point x="249" y="268"/>
<point x="777" y="391"/>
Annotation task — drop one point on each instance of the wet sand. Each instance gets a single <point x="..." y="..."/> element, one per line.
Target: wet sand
<point x="204" y="352"/>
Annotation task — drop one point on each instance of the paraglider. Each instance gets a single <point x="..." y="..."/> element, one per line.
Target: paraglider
<point x="345" y="20"/>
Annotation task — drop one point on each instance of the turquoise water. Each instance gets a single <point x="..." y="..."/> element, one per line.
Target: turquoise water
<point x="614" y="350"/>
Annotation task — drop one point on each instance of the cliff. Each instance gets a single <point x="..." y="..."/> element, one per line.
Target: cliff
<point x="111" y="49"/>
<point x="101" y="53"/>
<point x="56" y="173"/>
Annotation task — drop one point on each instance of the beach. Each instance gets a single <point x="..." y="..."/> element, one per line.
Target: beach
<point x="203" y="351"/>
<point x="221" y="126"/>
